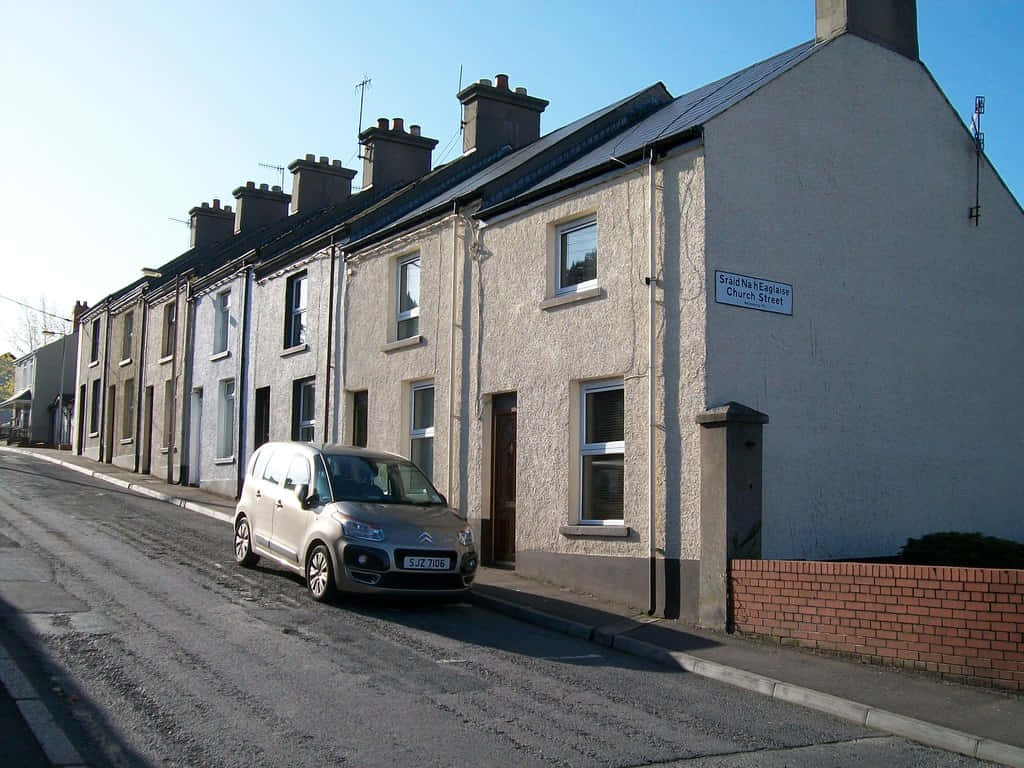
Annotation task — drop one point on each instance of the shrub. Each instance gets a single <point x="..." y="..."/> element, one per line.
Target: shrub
<point x="963" y="549"/>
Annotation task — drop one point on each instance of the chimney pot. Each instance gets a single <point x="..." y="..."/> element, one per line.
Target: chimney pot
<point x="336" y="163"/>
<point x="398" y="124"/>
<point x="250" y="184"/>
<point x="414" y="130"/>
<point x="205" y="204"/>
<point x="324" y="160"/>
<point x="264" y="187"/>
<point x="227" y="208"/>
<point x="276" y="188"/>
<point x="521" y="91"/>
<point x="382" y="123"/>
<point x="485" y="81"/>
<point x="216" y="202"/>
<point x="310" y="158"/>
<point x="501" y="81"/>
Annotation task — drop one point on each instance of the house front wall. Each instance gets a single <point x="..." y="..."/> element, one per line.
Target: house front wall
<point x="276" y="365"/>
<point x="375" y="361"/>
<point x="90" y="371"/>
<point x="527" y="341"/>
<point x="158" y="370"/>
<point x="210" y="368"/>
<point x="893" y="386"/>
<point x="122" y="369"/>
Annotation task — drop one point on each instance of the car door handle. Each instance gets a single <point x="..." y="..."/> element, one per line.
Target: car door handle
<point x="279" y="505"/>
<point x="258" y="494"/>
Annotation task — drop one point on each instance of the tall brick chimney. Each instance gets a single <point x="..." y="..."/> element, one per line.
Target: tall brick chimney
<point x="495" y="115"/>
<point x="209" y="224"/>
<point x="393" y="157"/>
<point x="256" y="208"/>
<point x="889" y="23"/>
<point x="317" y="185"/>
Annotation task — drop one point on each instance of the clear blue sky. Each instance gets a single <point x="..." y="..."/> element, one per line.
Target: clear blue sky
<point x="118" y="115"/>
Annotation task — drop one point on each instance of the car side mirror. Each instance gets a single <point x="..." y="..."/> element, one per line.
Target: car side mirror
<point x="306" y="498"/>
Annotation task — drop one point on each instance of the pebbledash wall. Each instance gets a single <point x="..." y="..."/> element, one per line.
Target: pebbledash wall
<point x="961" y="623"/>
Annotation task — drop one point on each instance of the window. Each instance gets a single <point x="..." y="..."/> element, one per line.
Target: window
<point x="226" y="419"/>
<point x="304" y="410"/>
<point x="295" y="314"/>
<point x="277" y="467"/>
<point x="360" y="411"/>
<point x="170" y="328"/>
<point x="168" y="402"/>
<point x="94" y="349"/>
<point x="222" y="308"/>
<point x="128" y="411"/>
<point x="128" y="336"/>
<point x="94" y="408"/>
<point x="421" y="432"/>
<point x="601" y="453"/>
<point x="298" y="474"/>
<point x="576" y="260"/>
<point x="408" y="297"/>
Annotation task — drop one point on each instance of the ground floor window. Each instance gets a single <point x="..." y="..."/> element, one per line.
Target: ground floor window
<point x="601" y="452"/>
<point x="421" y="432"/>
<point x="128" y="411"/>
<point x="360" y="413"/>
<point x="226" y="419"/>
<point x="94" y="408"/>
<point x="304" y="410"/>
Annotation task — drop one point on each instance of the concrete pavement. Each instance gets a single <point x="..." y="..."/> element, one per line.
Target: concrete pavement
<point x="977" y="722"/>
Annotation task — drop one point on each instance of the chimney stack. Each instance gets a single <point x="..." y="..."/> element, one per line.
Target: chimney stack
<point x="392" y="156"/>
<point x="889" y="23"/>
<point x="210" y="224"/>
<point x="317" y="185"/>
<point x="255" y="208"/>
<point x="81" y="307"/>
<point x="494" y="115"/>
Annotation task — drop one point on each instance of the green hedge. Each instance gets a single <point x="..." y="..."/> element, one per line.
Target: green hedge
<point x="963" y="549"/>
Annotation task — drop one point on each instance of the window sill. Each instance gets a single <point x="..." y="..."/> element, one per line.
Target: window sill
<point x="394" y="346"/>
<point x="225" y="460"/>
<point x="163" y="451"/>
<point x="220" y="355"/>
<point x="93" y="363"/>
<point x="165" y="359"/>
<point x="598" y="531"/>
<point x="94" y="434"/>
<point x="126" y="361"/>
<point x="294" y="350"/>
<point x="555" y="302"/>
<point x="127" y="440"/>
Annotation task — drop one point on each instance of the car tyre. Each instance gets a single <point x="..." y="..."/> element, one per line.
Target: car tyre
<point x="320" y="574"/>
<point x="243" y="543"/>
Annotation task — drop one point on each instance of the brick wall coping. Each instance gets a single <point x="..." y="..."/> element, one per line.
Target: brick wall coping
<point x="882" y="570"/>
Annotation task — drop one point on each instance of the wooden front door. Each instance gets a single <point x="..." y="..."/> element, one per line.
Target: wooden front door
<point x="503" y="479"/>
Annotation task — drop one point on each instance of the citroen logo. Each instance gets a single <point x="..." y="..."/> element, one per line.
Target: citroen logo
<point x="426" y="538"/>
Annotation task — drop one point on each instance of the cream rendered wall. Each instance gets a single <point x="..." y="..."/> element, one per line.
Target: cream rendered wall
<point x="893" y="390"/>
<point x="88" y="372"/>
<point x="157" y="371"/>
<point x="277" y="367"/>
<point x="373" y="361"/>
<point x="544" y="354"/>
<point x="120" y="370"/>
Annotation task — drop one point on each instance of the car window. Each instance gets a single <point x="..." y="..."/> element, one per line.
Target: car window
<point x="298" y="473"/>
<point x="277" y="467"/>
<point x="260" y="464"/>
<point x="386" y="481"/>
<point x="323" y="487"/>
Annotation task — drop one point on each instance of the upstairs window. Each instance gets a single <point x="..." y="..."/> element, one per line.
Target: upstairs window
<point x="94" y="408"/>
<point x="295" y="310"/>
<point x="128" y="336"/>
<point x="222" y="317"/>
<point x="408" y="297"/>
<point x="170" y="329"/>
<point x="128" y="411"/>
<point x="421" y="432"/>
<point x="602" y="448"/>
<point x="94" y="348"/>
<point x="576" y="260"/>
<point x="226" y="419"/>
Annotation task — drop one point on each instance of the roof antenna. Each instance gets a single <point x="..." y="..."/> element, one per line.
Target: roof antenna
<point x="180" y="221"/>
<point x="462" y="123"/>
<point x="361" y="86"/>
<point x="979" y="146"/>
<point x="279" y="168"/>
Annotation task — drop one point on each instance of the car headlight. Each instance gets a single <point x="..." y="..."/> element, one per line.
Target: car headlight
<point x="356" y="529"/>
<point x="466" y="537"/>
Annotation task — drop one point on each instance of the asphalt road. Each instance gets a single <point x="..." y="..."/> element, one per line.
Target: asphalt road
<point x="155" y="649"/>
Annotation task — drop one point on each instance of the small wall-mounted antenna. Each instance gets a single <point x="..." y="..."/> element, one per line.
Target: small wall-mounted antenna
<point x="462" y="123"/>
<point x="279" y="168"/>
<point x="180" y="221"/>
<point x="979" y="147"/>
<point x="361" y="86"/>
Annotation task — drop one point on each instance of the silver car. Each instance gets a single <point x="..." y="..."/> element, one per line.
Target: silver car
<point x="352" y="520"/>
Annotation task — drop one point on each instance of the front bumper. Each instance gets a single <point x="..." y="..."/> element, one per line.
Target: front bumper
<point x="366" y="568"/>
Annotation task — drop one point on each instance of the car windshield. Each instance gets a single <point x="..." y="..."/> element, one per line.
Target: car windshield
<point x="382" y="481"/>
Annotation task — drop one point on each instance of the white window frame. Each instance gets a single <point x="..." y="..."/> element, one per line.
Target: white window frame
<point x="128" y="335"/>
<point x="300" y="423"/>
<point x="128" y="410"/>
<point x="408" y="314"/>
<point x="611" y="448"/>
<point x="297" y="308"/>
<point x="225" y="419"/>
<point x="170" y="330"/>
<point x="424" y="432"/>
<point x="222" y="320"/>
<point x="94" y="342"/>
<point x="562" y="230"/>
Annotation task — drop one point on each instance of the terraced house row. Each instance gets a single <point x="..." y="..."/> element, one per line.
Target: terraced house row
<point x="677" y="330"/>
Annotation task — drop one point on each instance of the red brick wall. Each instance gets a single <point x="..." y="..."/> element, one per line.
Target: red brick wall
<point x="962" y="623"/>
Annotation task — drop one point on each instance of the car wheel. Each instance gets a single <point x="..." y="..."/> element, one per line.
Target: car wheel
<point x="320" y="574"/>
<point x="243" y="543"/>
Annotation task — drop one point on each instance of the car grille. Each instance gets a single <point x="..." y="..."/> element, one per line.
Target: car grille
<point x="424" y="580"/>
<point x="401" y="554"/>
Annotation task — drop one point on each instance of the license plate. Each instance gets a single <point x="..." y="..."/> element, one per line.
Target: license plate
<point x="426" y="563"/>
